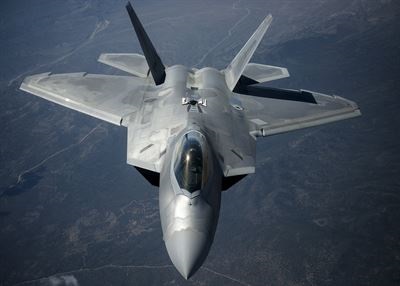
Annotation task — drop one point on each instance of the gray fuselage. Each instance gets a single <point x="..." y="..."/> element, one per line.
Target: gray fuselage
<point x="191" y="177"/>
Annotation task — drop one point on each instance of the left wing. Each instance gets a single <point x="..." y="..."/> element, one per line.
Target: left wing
<point x="106" y="97"/>
<point x="269" y="116"/>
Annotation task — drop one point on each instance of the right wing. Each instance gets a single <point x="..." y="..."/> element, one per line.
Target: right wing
<point x="268" y="116"/>
<point x="106" y="97"/>
<point x="121" y="100"/>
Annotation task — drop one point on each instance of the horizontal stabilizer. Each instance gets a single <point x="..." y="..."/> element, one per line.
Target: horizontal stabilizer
<point x="131" y="63"/>
<point x="263" y="73"/>
<point x="239" y="63"/>
<point x="276" y="93"/>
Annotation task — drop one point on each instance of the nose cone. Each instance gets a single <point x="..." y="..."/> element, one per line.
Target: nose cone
<point x="187" y="250"/>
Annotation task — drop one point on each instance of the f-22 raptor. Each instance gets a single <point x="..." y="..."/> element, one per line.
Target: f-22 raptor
<point x="192" y="132"/>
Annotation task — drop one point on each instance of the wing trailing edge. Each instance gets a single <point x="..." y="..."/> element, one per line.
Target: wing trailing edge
<point x="275" y="93"/>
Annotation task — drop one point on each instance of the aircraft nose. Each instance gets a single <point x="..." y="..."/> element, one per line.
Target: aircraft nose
<point x="187" y="250"/>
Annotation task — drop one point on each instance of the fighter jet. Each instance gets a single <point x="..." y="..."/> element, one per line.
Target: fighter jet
<point x="192" y="132"/>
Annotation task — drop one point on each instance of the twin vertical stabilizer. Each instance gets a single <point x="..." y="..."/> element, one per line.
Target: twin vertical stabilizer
<point x="238" y="64"/>
<point x="232" y="73"/>
<point x="154" y="62"/>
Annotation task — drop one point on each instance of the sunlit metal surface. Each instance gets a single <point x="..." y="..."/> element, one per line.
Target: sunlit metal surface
<point x="192" y="127"/>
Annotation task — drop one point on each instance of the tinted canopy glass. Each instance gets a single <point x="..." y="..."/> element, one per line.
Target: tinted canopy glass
<point x="190" y="162"/>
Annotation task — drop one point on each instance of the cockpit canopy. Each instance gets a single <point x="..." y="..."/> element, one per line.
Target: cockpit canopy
<point x="190" y="164"/>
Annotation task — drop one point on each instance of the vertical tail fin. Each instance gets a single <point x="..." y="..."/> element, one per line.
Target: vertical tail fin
<point x="238" y="64"/>
<point x="157" y="68"/>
